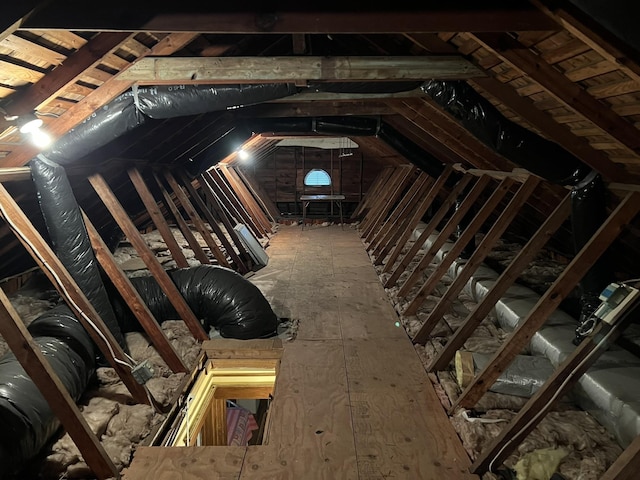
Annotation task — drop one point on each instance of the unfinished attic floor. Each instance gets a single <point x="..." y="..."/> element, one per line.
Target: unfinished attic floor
<point x="352" y="399"/>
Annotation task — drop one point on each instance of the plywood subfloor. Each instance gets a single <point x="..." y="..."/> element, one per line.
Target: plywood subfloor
<point x="352" y="399"/>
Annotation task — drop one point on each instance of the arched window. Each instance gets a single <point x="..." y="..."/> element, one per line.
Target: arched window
<point x="317" y="178"/>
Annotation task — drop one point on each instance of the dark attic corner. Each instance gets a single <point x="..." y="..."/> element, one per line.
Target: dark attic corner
<point x="359" y="243"/>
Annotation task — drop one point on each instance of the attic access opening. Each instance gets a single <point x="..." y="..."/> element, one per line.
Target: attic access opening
<point x="227" y="400"/>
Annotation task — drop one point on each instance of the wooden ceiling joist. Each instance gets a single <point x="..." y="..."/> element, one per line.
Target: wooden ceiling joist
<point x="202" y="70"/>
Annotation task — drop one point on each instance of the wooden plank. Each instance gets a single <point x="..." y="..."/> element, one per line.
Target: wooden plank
<point x="444" y="234"/>
<point x="560" y="87"/>
<point x="155" y="267"/>
<point x="249" y="199"/>
<point x="196" y="220"/>
<point x="434" y="221"/>
<point x="400" y="213"/>
<point x="501" y="285"/>
<point x="380" y="199"/>
<point x="563" y="378"/>
<point x="626" y="465"/>
<point x="241" y="265"/>
<point x="257" y="191"/>
<point x="230" y="348"/>
<point x="35" y="364"/>
<point x="458" y="246"/>
<point x="185" y="463"/>
<point x="11" y="174"/>
<point x="69" y="290"/>
<point x="246" y="199"/>
<point x="310" y="418"/>
<point x="372" y="192"/>
<point x="182" y="224"/>
<point x="231" y="201"/>
<point x="133" y="300"/>
<point x="158" y="219"/>
<point x="215" y="202"/>
<point x="400" y="237"/>
<point x="387" y="201"/>
<point x="203" y="70"/>
<point x="482" y="250"/>
<point x="394" y="408"/>
<point x="564" y="284"/>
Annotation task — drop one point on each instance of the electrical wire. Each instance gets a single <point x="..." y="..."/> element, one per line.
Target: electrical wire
<point x="544" y="409"/>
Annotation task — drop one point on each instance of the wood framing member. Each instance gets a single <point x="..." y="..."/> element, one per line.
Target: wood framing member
<point x="133" y="300"/>
<point x="465" y="206"/>
<point x="626" y="465"/>
<point x="378" y="201"/>
<point x="502" y="284"/>
<point x="564" y="284"/>
<point x="232" y="249"/>
<point x="400" y="213"/>
<point x="561" y="88"/>
<point x="388" y="199"/>
<point x="216" y="204"/>
<point x="458" y="246"/>
<point x="259" y="194"/>
<point x="196" y="220"/>
<point x="480" y="253"/>
<point x="182" y="224"/>
<point x="203" y="70"/>
<point x="563" y="378"/>
<point x="231" y="202"/>
<point x="69" y="290"/>
<point x="245" y="197"/>
<point x="10" y="174"/>
<point x="400" y="236"/>
<point x="435" y="220"/>
<point x="35" y="364"/>
<point x="158" y="219"/>
<point x="372" y="193"/>
<point x="155" y="267"/>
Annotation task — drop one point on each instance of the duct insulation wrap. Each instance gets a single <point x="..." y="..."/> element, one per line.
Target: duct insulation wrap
<point x="172" y="101"/>
<point x="522" y="378"/>
<point x="220" y="297"/>
<point x="523" y="147"/>
<point x="65" y="224"/>
<point x="588" y="213"/>
<point x="26" y="418"/>
<point x="136" y="107"/>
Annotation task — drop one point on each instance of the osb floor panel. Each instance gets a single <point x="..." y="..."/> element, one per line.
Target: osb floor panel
<point x="352" y="399"/>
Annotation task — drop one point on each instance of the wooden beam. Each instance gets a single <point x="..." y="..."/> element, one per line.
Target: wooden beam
<point x="155" y="267"/>
<point x="401" y="18"/>
<point x="560" y="87"/>
<point x="69" y="290"/>
<point x="468" y="234"/>
<point x="560" y="383"/>
<point x="434" y="221"/>
<point x="100" y="96"/>
<point x="215" y="202"/>
<point x="182" y="224"/>
<point x="564" y="284"/>
<point x="372" y="192"/>
<point x="203" y="70"/>
<point x="35" y="364"/>
<point x="224" y="237"/>
<point x="158" y="219"/>
<point x="482" y="250"/>
<point x="11" y="174"/>
<point x="626" y="465"/>
<point x="502" y="284"/>
<point x="256" y="189"/>
<point x="444" y="234"/>
<point x="196" y="219"/>
<point x="133" y="300"/>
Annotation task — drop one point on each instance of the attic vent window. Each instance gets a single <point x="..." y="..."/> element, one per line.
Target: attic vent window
<point x="317" y="178"/>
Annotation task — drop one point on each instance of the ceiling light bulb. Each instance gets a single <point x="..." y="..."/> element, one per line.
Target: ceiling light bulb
<point x="29" y="123"/>
<point x="243" y="154"/>
<point x="40" y="139"/>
